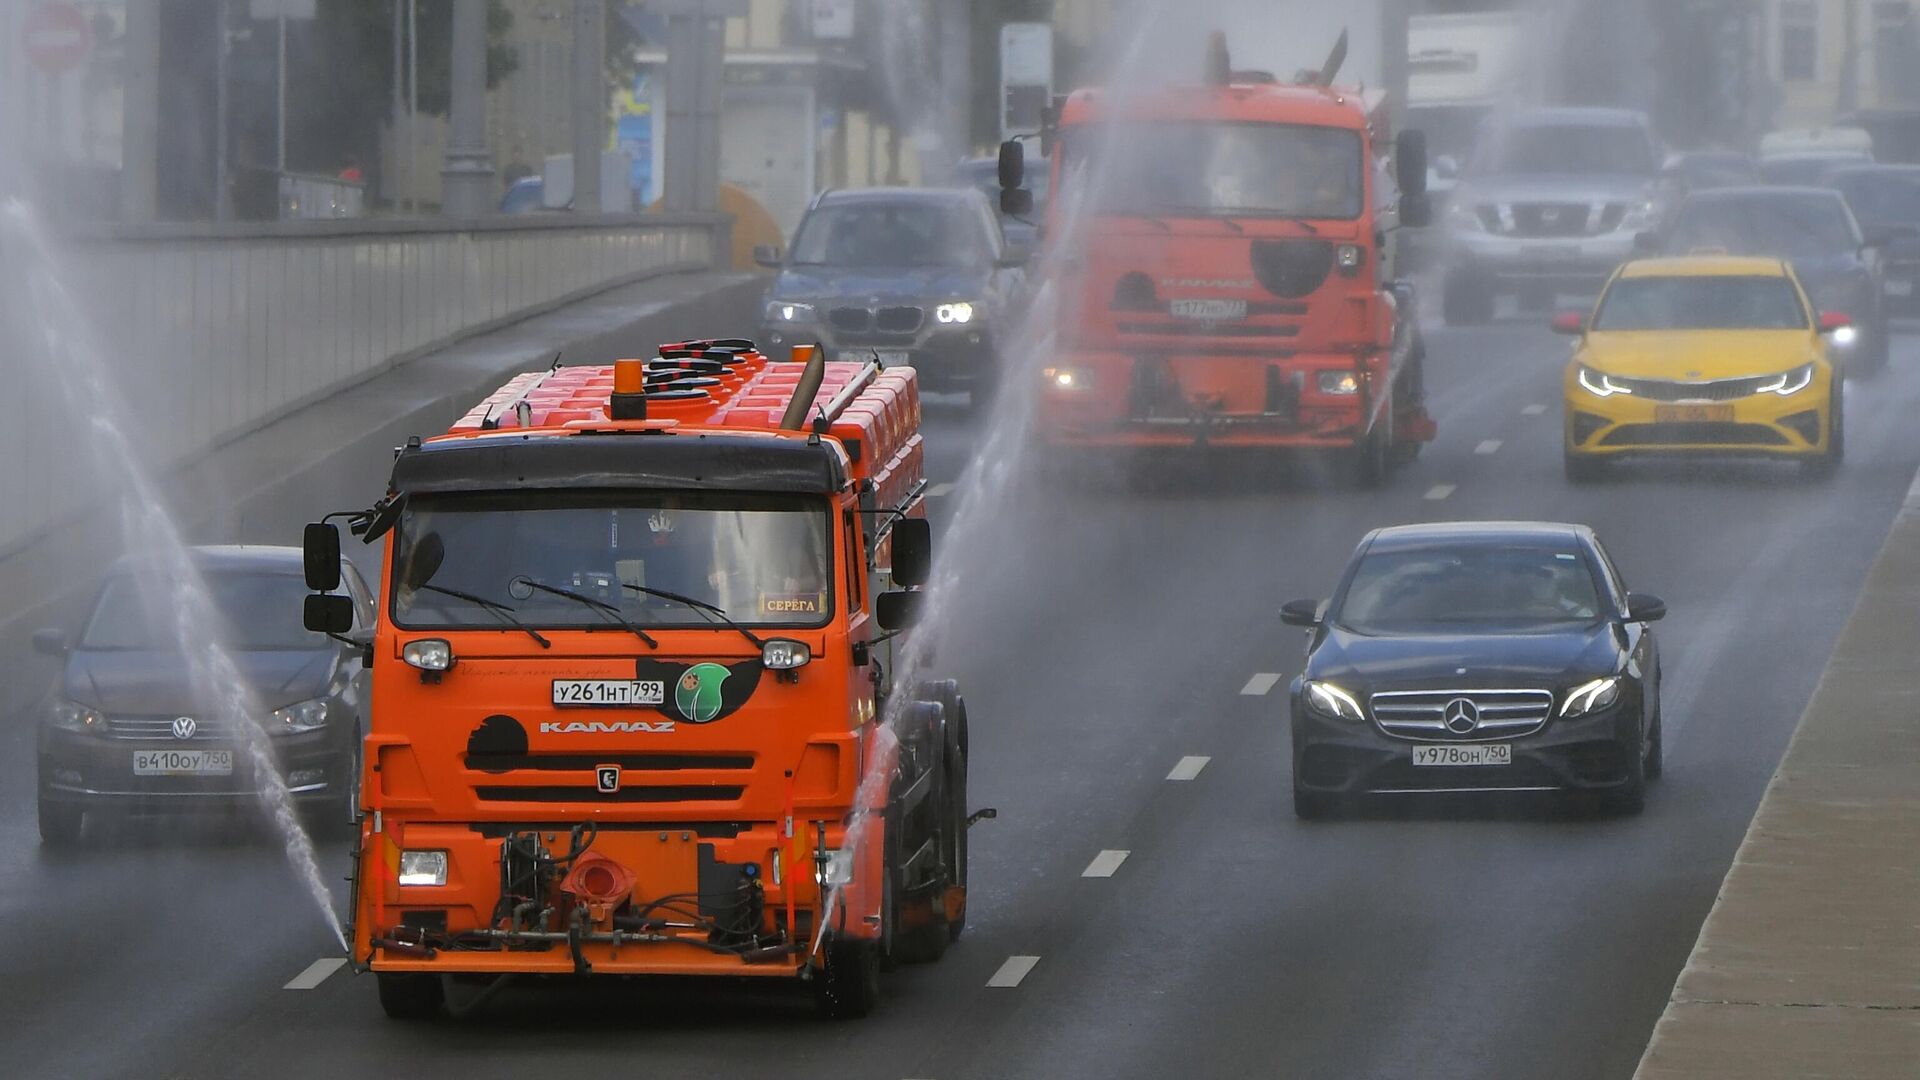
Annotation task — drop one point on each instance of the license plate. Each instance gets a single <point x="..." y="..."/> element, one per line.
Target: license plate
<point x="1213" y="310"/>
<point x="183" y="763"/>
<point x="608" y="693"/>
<point x="1896" y="287"/>
<point x="888" y="357"/>
<point x="1692" y="414"/>
<point x="1482" y="754"/>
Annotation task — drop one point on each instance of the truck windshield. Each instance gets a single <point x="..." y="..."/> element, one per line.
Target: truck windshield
<point x="763" y="559"/>
<point x="1188" y="168"/>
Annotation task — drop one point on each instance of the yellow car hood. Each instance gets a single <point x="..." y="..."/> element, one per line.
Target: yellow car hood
<point x="1695" y="355"/>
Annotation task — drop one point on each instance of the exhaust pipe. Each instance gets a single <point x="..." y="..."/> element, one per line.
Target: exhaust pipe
<point x="795" y="418"/>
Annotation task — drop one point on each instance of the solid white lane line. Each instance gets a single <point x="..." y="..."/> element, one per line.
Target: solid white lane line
<point x="1188" y="768"/>
<point x="1439" y="491"/>
<point x="1260" y="685"/>
<point x="1011" y="972"/>
<point x="1533" y="410"/>
<point x="1491" y="446"/>
<point x="1104" y="864"/>
<point x="939" y="491"/>
<point x="316" y="973"/>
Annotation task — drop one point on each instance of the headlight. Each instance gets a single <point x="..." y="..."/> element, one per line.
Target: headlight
<point x="839" y="869"/>
<point x="1845" y="336"/>
<point x="1641" y="216"/>
<point x="1350" y="257"/>
<point x="1464" y="217"/>
<point x="1599" y="384"/>
<point x="73" y="716"/>
<point x="1329" y="700"/>
<point x="1591" y="697"/>
<point x="423" y="868"/>
<point x="428" y="654"/>
<point x="306" y="716"/>
<point x="1066" y="378"/>
<point x="1339" y="383"/>
<point x="788" y="311"/>
<point x="1790" y="383"/>
<point x="957" y="312"/>
<point x="781" y="654"/>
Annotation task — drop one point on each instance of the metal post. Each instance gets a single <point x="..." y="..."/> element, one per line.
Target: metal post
<point x="140" y="145"/>
<point x="222" y="181"/>
<point x="589" y="102"/>
<point x="280" y="140"/>
<point x="713" y="51"/>
<point x="956" y="85"/>
<point x="467" y="175"/>
<point x="413" y="106"/>
<point x="696" y="51"/>
<point x="390" y="176"/>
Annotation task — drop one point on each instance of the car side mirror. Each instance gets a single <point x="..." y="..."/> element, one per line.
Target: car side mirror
<point x="1642" y="607"/>
<point x="1016" y="202"/>
<point x="1570" y="322"/>
<point x="320" y="554"/>
<point x="899" y="609"/>
<point x="324" y="614"/>
<point x="1300" y="613"/>
<point x="50" y="642"/>
<point x="1832" y="321"/>
<point x="1416" y="211"/>
<point x="1646" y="243"/>
<point x="912" y="551"/>
<point x="1410" y="164"/>
<point x="767" y="255"/>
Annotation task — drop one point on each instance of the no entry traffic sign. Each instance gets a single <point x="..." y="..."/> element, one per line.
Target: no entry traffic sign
<point x="56" y="37"/>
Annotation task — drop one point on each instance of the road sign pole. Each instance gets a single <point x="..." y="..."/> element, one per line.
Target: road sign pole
<point x="280" y="140"/>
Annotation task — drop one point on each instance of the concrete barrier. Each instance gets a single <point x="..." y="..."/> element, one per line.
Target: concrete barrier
<point x="1809" y="963"/>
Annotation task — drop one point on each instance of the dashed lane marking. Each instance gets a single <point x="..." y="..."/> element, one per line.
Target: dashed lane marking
<point x="1491" y="446"/>
<point x="1188" y="768"/>
<point x="1533" y="410"/>
<point x="1014" y="970"/>
<point x="939" y="491"/>
<point x="1439" y="491"/>
<point x="317" y="973"/>
<point x="1104" y="864"/>
<point x="1260" y="685"/>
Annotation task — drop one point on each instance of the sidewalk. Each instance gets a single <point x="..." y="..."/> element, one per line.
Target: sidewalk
<point x="1809" y="963"/>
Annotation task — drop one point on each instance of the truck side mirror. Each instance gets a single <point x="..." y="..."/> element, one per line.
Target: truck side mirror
<point x="320" y="550"/>
<point x="325" y="614"/>
<point x="1416" y="211"/>
<point x="912" y="551"/>
<point x="1013" y="165"/>
<point x="1410" y="164"/>
<point x="1016" y="202"/>
<point x="899" y="609"/>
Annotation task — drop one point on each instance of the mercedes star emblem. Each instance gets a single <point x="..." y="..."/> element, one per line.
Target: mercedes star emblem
<point x="1461" y="716"/>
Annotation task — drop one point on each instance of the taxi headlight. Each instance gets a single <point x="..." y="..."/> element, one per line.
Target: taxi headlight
<point x="1066" y="378"/>
<point x="957" y="312"/>
<point x="1599" y="384"/>
<point x="1339" y="383"/>
<point x="1591" y="697"/>
<point x="788" y="311"/>
<point x="305" y="716"/>
<point x="73" y="716"/>
<point x="423" y="868"/>
<point x="1331" y="701"/>
<point x="1790" y="383"/>
<point x="428" y="654"/>
<point x="783" y="654"/>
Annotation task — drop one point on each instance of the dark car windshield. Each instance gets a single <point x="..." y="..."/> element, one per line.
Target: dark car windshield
<point x="1781" y="226"/>
<point x="916" y="233"/>
<point x="260" y="611"/>
<point x="1746" y="302"/>
<point x="1484" y="588"/>
<point x="1883" y="198"/>
<point x="1565" y="149"/>
<point x="763" y="559"/>
<point x="1808" y="170"/>
<point x="1225" y="169"/>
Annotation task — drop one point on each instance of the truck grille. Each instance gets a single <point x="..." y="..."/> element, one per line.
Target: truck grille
<point x="636" y="794"/>
<point x="1714" y="390"/>
<point x="205" y="728"/>
<point x="1461" y="714"/>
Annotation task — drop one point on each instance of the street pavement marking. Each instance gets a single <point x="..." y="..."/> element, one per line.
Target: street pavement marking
<point x="1188" y="768"/>
<point x="1439" y="491"/>
<point x="939" y="491"/>
<point x="1013" y="971"/>
<point x="316" y="973"/>
<point x="1491" y="446"/>
<point x="1533" y="410"/>
<point x="1260" y="685"/>
<point x="1104" y="864"/>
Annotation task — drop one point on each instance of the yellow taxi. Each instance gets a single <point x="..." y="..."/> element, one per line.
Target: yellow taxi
<point x="1710" y="355"/>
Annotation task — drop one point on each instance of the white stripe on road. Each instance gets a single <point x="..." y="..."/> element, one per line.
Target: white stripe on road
<point x="1188" y="768"/>
<point x="1260" y="685"/>
<point x="1491" y="446"/>
<point x="1439" y="491"/>
<point x="939" y="491"/>
<point x="1533" y="410"/>
<point x="316" y="973"/>
<point x="1104" y="864"/>
<point x="1011" y="972"/>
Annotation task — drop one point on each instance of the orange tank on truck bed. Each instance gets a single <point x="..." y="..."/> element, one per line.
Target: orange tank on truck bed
<point x="1229" y="278"/>
<point x="634" y="688"/>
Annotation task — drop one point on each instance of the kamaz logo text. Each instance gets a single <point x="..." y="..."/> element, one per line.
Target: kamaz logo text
<point x="607" y="727"/>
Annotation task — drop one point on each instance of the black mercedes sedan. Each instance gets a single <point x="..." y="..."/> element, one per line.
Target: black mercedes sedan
<point x="124" y="730"/>
<point x="1494" y="656"/>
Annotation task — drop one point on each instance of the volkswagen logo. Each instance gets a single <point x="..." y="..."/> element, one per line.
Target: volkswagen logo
<point x="184" y="727"/>
<point x="1461" y="716"/>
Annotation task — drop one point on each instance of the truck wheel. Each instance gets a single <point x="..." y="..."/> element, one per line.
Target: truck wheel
<point x="848" y="985"/>
<point x="1371" y="462"/>
<point x="957" y="844"/>
<point x="61" y="824"/>
<point x="411" y="997"/>
<point x="1465" y="300"/>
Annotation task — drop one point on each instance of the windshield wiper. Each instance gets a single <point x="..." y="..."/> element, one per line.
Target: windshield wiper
<point x="700" y="606"/>
<point x="494" y="608"/>
<point x="595" y="603"/>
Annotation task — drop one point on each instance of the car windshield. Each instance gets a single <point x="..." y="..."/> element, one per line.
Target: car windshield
<point x="1217" y="169"/>
<point x="1701" y="303"/>
<point x="1808" y="170"/>
<point x="259" y="611"/>
<point x="1883" y="198"/>
<point x="763" y="559"/>
<point x="1565" y="149"/>
<point x="916" y="233"/>
<point x="1482" y="588"/>
<point x="1788" y="227"/>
